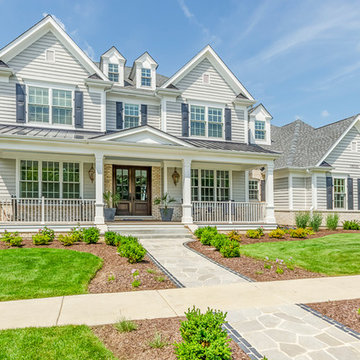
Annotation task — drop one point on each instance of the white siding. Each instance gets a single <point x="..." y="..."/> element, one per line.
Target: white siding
<point x="173" y="118"/>
<point x="281" y="193"/>
<point x="308" y="193"/>
<point x="299" y="193"/>
<point x="88" y="186"/>
<point x="154" y="116"/>
<point x="7" y="102"/>
<point x="7" y="178"/>
<point x="110" y="115"/>
<point x="193" y="87"/>
<point x="321" y="192"/>
<point x="238" y="185"/>
<point x="238" y="124"/>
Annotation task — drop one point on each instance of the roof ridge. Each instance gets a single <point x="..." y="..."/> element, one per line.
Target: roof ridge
<point x="294" y="142"/>
<point x="335" y="122"/>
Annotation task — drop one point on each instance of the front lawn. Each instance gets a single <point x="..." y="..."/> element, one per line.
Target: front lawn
<point x="44" y="272"/>
<point x="336" y="254"/>
<point x="65" y="342"/>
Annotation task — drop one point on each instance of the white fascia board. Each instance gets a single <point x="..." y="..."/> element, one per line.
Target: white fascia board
<point x="40" y="29"/>
<point x="338" y="140"/>
<point x="111" y="51"/>
<point x="262" y="108"/>
<point x="209" y="53"/>
<point x="124" y="91"/>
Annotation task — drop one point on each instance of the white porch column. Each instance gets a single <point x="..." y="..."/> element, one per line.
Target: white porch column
<point x="165" y="178"/>
<point x="269" y="186"/>
<point x="186" y="192"/>
<point x="99" y="189"/>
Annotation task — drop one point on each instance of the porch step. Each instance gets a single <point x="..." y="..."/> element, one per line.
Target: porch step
<point x="152" y="231"/>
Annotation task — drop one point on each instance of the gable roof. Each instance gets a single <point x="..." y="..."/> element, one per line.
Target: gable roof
<point x="145" y="54"/>
<point x="209" y="53"/>
<point x="262" y="107"/>
<point x="304" y="146"/>
<point x="46" y="24"/>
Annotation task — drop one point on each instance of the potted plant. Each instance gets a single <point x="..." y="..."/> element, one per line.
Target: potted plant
<point x="111" y="201"/>
<point x="165" y="212"/>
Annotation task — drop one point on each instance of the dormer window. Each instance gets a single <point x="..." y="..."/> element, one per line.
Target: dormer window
<point x="145" y="77"/>
<point x="260" y="130"/>
<point x="113" y="73"/>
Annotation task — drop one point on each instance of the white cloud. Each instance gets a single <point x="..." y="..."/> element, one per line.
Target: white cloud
<point x="325" y="113"/>
<point x="89" y="51"/>
<point x="56" y="19"/>
<point x="298" y="117"/>
<point x="185" y="9"/>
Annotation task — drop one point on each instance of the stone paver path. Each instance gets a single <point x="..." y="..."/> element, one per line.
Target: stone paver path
<point x="189" y="268"/>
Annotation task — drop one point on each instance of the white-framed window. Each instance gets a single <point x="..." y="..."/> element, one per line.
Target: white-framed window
<point x="113" y="72"/>
<point x="51" y="179"/>
<point x="207" y="185"/>
<point x="222" y="185"/>
<point x="206" y="121"/>
<point x="339" y="193"/>
<point x="260" y="131"/>
<point x="50" y="106"/>
<point x="254" y="190"/>
<point x="194" y="184"/>
<point x="145" y="77"/>
<point x="131" y="116"/>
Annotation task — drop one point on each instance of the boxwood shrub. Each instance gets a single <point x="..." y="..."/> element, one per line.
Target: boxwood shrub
<point x="230" y="249"/>
<point x="91" y="235"/>
<point x="219" y="240"/>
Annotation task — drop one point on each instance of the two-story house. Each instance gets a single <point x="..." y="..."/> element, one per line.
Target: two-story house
<point x="71" y="129"/>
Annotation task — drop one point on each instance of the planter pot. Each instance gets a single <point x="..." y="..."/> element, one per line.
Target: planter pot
<point x="109" y="214"/>
<point x="166" y="215"/>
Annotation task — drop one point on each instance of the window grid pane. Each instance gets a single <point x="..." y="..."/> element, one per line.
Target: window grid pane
<point x="222" y="185"/>
<point x="145" y="77"/>
<point x="113" y="72"/>
<point x="253" y="190"/>
<point x="62" y="107"/>
<point x="71" y="180"/>
<point x="50" y="179"/>
<point x="339" y="193"/>
<point x="29" y="179"/>
<point x="260" y="130"/>
<point x="38" y="109"/>
<point x="215" y="122"/>
<point x="197" y="117"/>
<point x="207" y="185"/>
<point x="194" y="184"/>
<point x="131" y="118"/>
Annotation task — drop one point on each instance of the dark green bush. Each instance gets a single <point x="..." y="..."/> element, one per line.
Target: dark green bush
<point x="12" y="239"/>
<point x="332" y="221"/>
<point x="219" y="240"/>
<point x="133" y="251"/>
<point x="230" y="249"/>
<point x="91" y="235"/>
<point x="302" y="219"/>
<point x="207" y="235"/>
<point x="203" y="337"/>
<point x="351" y="225"/>
<point x="111" y="238"/>
<point x="315" y="221"/>
<point x="198" y="232"/>
<point x="260" y="230"/>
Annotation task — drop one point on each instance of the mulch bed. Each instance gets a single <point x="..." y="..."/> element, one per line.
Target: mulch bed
<point x="252" y="268"/>
<point x="134" y="345"/>
<point x="115" y="274"/>
<point x="343" y="311"/>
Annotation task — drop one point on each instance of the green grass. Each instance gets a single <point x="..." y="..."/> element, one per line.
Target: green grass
<point x="337" y="254"/>
<point x="65" y="342"/>
<point x="35" y="272"/>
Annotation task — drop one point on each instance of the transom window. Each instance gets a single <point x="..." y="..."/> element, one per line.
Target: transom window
<point x="56" y="178"/>
<point x="40" y="101"/>
<point x="132" y="116"/>
<point x="260" y="130"/>
<point x="253" y="190"/>
<point x="113" y="72"/>
<point x="339" y="193"/>
<point x="145" y="77"/>
<point x="206" y="121"/>
<point x="210" y="185"/>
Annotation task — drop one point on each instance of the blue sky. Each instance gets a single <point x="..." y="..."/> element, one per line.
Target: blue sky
<point x="301" y="59"/>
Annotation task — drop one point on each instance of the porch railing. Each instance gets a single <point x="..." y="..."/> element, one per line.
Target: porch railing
<point x="46" y="210"/>
<point x="228" y="212"/>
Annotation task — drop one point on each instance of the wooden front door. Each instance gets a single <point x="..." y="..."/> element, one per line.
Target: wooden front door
<point x="132" y="183"/>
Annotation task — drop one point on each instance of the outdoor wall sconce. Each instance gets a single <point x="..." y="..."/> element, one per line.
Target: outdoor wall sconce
<point x="92" y="173"/>
<point x="175" y="176"/>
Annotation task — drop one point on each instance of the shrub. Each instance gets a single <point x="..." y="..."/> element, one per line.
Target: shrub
<point x="309" y="231"/>
<point x="111" y="238"/>
<point x="298" y="233"/>
<point x="234" y="235"/>
<point x="351" y="225"/>
<point x="277" y="234"/>
<point x="230" y="249"/>
<point x="44" y="236"/>
<point x="198" y="232"/>
<point x="203" y="336"/>
<point x="253" y="234"/>
<point x="315" y="221"/>
<point x="133" y="251"/>
<point x="121" y="240"/>
<point x="207" y="236"/>
<point x="260" y="230"/>
<point x="91" y="235"/>
<point x="66" y="240"/>
<point x="219" y="240"/>
<point x="332" y="221"/>
<point x="302" y="219"/>
<point x="158" y="342"/>
<point x="124" y="325"/>
<point x="76" y="234"/>
<point x="12" y="239"/>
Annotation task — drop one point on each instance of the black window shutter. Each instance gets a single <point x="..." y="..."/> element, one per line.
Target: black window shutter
<point x="329" y="193"/>
<point x="227" y="124"/>
<point x="350" y="189"/>
<point x="262" y="190"/>
<point x="119" y="115"/>
<point x="185" y="119"/>
<point x="79" y="109"/>
<point x="20" y="103"/>
<point x="358" y="190"/>
<point x="143" y="114"/>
